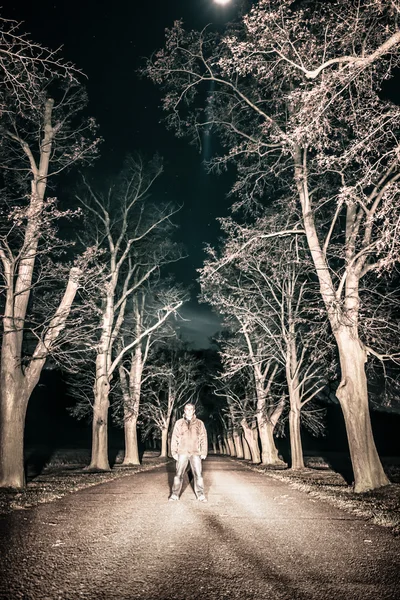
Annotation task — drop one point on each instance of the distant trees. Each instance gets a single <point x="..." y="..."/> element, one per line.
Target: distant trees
<point x="133" y="240"/>
<point x="146" y="322"/>
<point x="268" y="299"/>
<point x="41" y="135"/>
<point x="295" y="93"/>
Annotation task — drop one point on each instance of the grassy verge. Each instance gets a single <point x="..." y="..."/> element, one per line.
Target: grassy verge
<point x="65" y="474"/>
<point x="381" y="506"/>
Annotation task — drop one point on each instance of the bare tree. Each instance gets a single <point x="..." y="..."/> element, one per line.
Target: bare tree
<point x="294" y="92"/>
<point x="40" y="136"/>
<point x="133" y="238"/>
<point x="147" y="322"/>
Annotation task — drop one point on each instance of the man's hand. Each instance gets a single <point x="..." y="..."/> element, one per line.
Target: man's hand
<point x="203" y="457"/>
<point x="175" y="456"/>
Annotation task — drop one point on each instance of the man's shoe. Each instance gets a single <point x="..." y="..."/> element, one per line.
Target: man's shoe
<point x="202" y="499"/>
<point x="173" y="498"/>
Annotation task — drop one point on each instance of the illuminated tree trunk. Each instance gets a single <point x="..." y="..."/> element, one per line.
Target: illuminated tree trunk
<point x="266" y="422"/>
<point x="231" y="444"/>
<point x="16" y="387"/>
<point x="221" y="445"/>
<point x="353" y="397"/>
<point x="296" y="447"/>
<point x="14" y="403"/>
<point x="251" y="436"/>
<point x="131" y="409"/>
<point x="99" y="457"/>
<point x="164" y="442"/>
<point x="246" y="449"/>
<point x="238" y="444"/>
<point x="269" y="451"/>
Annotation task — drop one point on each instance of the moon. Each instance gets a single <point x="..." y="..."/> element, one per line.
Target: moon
<point x="222" y="1"/>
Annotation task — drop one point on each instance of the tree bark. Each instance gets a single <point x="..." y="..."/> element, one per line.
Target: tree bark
<point x="246" y="449"/>
<point x="238" y="444"/>
<point x="131" y="409"/>
<point x="99" y="458"/>
<point x="269" y="451"/>
<point x="296" y="448"/>
<point x="164" y="442"/>
<point x="231" y="445"/>
<point x="131" y="441"/>
<point x="14" y="403"/>
<point x="353" y="397"/>
<point x="251" y="436"/>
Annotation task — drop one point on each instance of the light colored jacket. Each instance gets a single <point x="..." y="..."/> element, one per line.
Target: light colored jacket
<point x="189" y="437"/>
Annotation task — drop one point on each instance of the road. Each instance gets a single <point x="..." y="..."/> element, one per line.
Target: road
<point x="256" y="538"/>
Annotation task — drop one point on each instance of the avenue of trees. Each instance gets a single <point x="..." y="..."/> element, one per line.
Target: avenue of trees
<point x="296" y="93"/>
<point x="303" y="277"/>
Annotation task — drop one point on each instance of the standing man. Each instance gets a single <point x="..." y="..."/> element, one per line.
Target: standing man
<point x="189" y="444"/>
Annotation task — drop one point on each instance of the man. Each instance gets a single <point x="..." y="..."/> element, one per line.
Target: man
<point x="189" y="444"/>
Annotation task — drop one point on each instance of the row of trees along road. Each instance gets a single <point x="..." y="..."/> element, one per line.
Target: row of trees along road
<point x="93" y="314"/>
<point x="295" y="92"/>
<point x="277" y="351"/>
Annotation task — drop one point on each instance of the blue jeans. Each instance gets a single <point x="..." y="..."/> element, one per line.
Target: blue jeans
<point x="195" y="465"/>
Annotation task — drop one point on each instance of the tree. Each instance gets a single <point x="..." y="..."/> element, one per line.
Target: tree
<point x="132" y="237"/>
<point x="40" y="136"/>
<point x="146" y="322"/>
<point x="294" y="91"/>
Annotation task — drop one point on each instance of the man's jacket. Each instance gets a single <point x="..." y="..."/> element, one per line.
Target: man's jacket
<point x="189" y="437"/>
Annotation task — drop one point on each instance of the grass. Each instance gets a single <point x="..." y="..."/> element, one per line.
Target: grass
<point x="381" y="506"/>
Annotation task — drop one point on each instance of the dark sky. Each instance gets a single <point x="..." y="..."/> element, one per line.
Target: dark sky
<point x="108" y="41"/>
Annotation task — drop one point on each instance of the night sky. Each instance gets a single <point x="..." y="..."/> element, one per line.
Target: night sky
<point x="108" y="42"/>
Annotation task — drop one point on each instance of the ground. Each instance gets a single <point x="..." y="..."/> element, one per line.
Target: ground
<point x="257" y="537"/>
<point x="65" y="473"/>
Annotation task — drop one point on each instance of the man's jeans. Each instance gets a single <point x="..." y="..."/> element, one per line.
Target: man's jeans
<point x="195" y="465"/>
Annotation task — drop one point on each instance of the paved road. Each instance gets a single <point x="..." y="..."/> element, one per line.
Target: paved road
<point x="255" y="539"/>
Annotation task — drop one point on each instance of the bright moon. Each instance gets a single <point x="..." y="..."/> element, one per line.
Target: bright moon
<point x="222" y="1"/>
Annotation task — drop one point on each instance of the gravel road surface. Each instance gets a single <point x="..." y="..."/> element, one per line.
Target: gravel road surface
<point x="256" y="538"/>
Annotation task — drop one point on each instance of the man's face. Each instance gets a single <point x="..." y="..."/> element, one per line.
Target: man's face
<point x="188" y="412"/>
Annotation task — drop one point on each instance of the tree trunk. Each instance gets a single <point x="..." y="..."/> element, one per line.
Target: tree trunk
<point x="214" y="444"/>
<point x="99" y="458"/>
<point x="246" y="449"/>
<point x="221" y="445"/>
<point x="131" y="441"/>
<point x="226" y="446"/>
<point x="164" y="442"/>
<point x="353" y="397"/>
<point x="131" y="409"/>
<point x="231" y="445"/>
<point x="296" y="448"/>
<point x="238" y="444"/>
<point x="13" y="407"/>
<point x="269" y="452"/>
<point x="251" y="436"/>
